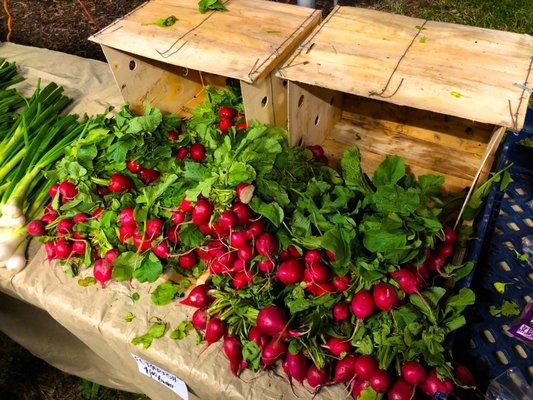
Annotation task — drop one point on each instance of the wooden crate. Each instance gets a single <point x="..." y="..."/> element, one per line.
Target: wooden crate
<point x="169" y="66"/>
<point x="440" y="95"/>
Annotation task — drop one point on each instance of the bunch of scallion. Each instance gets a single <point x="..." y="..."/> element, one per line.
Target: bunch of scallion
<point x="32" y="137"/>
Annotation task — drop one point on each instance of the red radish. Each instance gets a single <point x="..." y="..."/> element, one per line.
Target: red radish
<point x="162" y="250"/>
<point x="97" y="212"/>
<point x="154" y="228"/>
<point x="330" y="255"/>
<point x="50" y="217"/>
<point x="316" y="377"/>
<point x="242" y="211"/>
<point x="434" y="262"/>
<point x="241" y="280"/>
<point x="36" y="228"/>
<point x="271" y="320"/>
<point x="214" y="330"/>
<point x="78" y="236"/>
<point x="413" y="373"/>
<point x="215" y="248"/>
<point x="198" y="297"/>
<point x="49" y="209"/>
<point x="344" y="369"/>
<point x="312" y="256"/>
<point x="199" y="319"/>
<point x="53" y="190"/>
<point x="293" y="251"/>
<point x="126" y="232"/>
<point x="50" y="249"/>
<point x="317" y="273"/>
<point x="245" y="253"/>
<point x="450" y="237"/>
<point x="173" y="136"/>
<point x="464" y="376"/>
<point x="318" y="151"/>
<point x="227" y="112"/>
<point x="433" y="384"/>
<point x="186" y="205"/>
<point x="401" y="390"/>
<point x="241" y="126"/>
<point x="238" y="239"/>
<point x="255" y="229"/>
<point x="127" y="218"/>
<point x="227" y="220"/>
<point x="177" y="217"/>
<point x="226" y="259"/>
<point x="245" y="192"/>
<point x="297" y="365"/>
<point x="445" y="251"/>
<point x="79" y="247"/>
<point x="111" y="255"/>
<point x="68" y="190"/>
<point x="283" y="255"/>
<point x="202" y="211"/>
<point x="149" y="175"/>
<point x="102" y="271"/>
<point x="272" y="351"/>
<point x="205" y="229"/>
<point x="238" y="265"/>
<point x="197" y="152"/>
<point x="385" y="296"/>
<point x="266" y="266"/>
<point x="64" y="227"/>
<point x="266" y="244"/>
<point x="362" y="304"/>
<point x="173" y="234"/>
<point x="259" y="338"/>
<point x="233" y="350"/>
<point x="224" y="124"/>
<point x="133" y="166"/>
<point x="341" y="311"/>
<point x="379" y="381"/>
<point x="141" y="242"/>
<point x="337" y="346"/>
<point x="364" y="366"/>
<point x="63" y="249"/>
<point x="187" y="260"/>
<point x="119" y="183"/>
<point x="341" y="283"/>
<point x="406" y="280"/>
<point x="358" y="386"/>
<point x="318" y="289"/>
<point x="182" y="153"/>
<point x="80" y="218"/>
<point x="290" y="271"/>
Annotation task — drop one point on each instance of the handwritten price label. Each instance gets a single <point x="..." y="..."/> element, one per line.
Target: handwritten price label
<point x="163" y="377"/>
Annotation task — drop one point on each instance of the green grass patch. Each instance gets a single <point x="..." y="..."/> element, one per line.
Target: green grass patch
<point x="508" y="15"/>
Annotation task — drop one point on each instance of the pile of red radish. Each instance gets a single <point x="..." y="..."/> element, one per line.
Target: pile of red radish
<point x="241" y="247"/>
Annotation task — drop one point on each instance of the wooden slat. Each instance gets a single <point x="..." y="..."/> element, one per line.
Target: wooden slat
<point x="246" y="42"/>
<point x="468" y="72"/>
<point x="422" y="156"/>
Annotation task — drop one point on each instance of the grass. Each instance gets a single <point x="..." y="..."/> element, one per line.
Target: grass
<point x="508" y="15"/>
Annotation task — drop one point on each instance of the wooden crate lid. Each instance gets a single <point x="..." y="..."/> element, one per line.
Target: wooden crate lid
<point x="473" y="73"/>
<point x="246" y="42"/>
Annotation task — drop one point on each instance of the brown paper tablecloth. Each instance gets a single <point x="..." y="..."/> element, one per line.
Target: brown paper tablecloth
<point x="81" y="330"/>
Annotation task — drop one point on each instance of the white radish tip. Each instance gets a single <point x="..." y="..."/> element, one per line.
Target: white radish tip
<point x="16" y="263"/>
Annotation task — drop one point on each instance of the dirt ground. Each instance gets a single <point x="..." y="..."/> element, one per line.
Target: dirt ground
<point x="26" y="377"/>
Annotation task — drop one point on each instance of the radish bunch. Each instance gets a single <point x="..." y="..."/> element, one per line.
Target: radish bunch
<point x="315" y="270"/>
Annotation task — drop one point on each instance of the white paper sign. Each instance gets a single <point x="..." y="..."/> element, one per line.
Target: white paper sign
<point x="163" y="377"/>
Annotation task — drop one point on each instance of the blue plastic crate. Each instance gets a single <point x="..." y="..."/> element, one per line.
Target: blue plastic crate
<point x="484" y="345"/>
